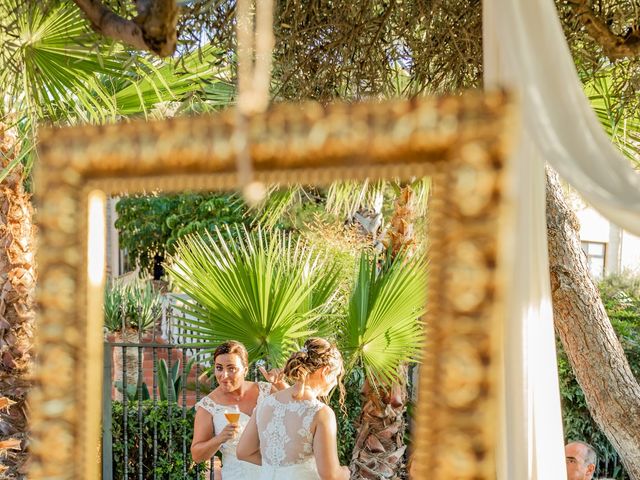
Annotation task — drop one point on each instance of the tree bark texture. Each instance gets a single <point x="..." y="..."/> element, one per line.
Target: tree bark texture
<point x="593" y="349"/>
<point x="17" y="286"/>
<point x="379" y="449"/>
<point x="154" y="29"/>
<point x="615" y="46"/>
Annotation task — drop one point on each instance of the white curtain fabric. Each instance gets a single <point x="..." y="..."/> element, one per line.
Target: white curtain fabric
<point x="557" y="114"/>
<point x="531" y="442"/>
<point x="525" y="50"/>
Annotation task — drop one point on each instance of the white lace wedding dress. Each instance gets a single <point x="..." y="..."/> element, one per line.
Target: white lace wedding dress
<point x="232" y="468"/>
<point x="285" y="439"/>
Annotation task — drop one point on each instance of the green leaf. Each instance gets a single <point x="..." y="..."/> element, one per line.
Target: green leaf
<point x="265" y="290"/>
<point x="383" y="326"/>
<point x="163" y="378"/>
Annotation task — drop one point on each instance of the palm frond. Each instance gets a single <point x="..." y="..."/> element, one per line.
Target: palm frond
<point x="346" y="198"/>
<point x="50" y="68"/>
<point x="276" y="204"/>
<point x="169" y="81"/>
<point x="265" y="290"/>
<point x="383" y="326"/>
<point x="612" y="112"/>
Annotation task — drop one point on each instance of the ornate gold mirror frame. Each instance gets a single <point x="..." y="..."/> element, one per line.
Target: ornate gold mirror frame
<point x="461" y="142"/>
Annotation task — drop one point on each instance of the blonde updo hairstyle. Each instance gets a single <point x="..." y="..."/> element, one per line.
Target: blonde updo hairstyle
<point x="314" y="355"/>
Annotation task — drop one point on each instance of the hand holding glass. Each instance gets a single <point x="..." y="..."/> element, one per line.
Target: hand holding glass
<point x="232" y="414"/>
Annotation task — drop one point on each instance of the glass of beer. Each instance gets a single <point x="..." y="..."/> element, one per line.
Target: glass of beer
<point x="232" y="413"/>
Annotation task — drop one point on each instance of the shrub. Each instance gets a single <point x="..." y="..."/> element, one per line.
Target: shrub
<point x="621" y="297"/>
<point x="173" y="428"/>
<point x="150" y="225"/>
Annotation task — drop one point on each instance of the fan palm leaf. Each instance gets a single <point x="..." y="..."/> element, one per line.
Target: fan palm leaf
<point x="265" y="290"/>
<point x="383" y="327"/>
<point x="48" y="66"/>
<point x="157" y="82"/>
<point x="343" y="198"/>
<point x="611" y="110"/>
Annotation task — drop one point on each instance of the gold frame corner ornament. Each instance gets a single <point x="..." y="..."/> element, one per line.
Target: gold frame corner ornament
<point x="460" y="141"/>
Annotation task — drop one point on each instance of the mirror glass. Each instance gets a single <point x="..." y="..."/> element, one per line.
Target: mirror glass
<point x="379" y="226"/>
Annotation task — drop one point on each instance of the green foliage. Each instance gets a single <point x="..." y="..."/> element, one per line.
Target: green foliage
<point x="132" y="390"/>
<point x="383" y="328"/>
<point x="348" y="414"/>
<point x="265" y="290"/>
<point x="612" y="110"/>
<point x="46" y="65"/>
<point x="54" y="68"/>
<point x="621" y="297"/>
<point x="291" y="207"/>
<point x="150" y="225"/>
<point x="170" y="382"/>
<point x="173" y="428"/>
<point x="135" y="305"/>
<point x="52" y="64"/>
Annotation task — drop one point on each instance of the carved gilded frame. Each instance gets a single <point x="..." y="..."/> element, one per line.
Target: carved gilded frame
<point x="461" y="142"/>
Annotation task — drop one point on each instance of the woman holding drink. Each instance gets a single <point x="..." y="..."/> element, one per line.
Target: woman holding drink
<point x="222" y="415"/>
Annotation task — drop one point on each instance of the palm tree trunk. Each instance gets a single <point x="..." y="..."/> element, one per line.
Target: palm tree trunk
<point x="401" y="225"/>
<point x="593" y="349"/>
<point x="379" y="449"/>
<point x="17" y="284"/>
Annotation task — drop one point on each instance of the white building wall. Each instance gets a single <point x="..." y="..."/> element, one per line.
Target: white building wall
<point x="593" y="226"/>
<point x="630" y="252"/>
<point x="622" y="248"/>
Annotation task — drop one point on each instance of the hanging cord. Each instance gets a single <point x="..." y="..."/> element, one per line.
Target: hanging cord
<point x="254" y="78"/>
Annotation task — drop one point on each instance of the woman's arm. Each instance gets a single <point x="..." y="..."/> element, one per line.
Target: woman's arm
<point x="205" y="444"/>
<point x="325" y="447"/>
<point x="248" y="448"/>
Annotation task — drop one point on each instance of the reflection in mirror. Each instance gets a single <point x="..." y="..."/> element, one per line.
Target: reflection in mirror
<point x="190" y="271"/>
<point x="459" y="142"/>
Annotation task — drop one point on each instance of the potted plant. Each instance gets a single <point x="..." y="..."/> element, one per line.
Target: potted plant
<point x="130" y="310"/>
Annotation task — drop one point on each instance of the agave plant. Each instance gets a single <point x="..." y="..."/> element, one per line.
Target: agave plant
<point x="266" y="290"/>
<point x="134" y="306"/>
<point x="382" y="333"/>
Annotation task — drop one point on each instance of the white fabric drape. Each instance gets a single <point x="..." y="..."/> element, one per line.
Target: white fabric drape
<point x="558" y="115"/>
<point x="525" y="50"/>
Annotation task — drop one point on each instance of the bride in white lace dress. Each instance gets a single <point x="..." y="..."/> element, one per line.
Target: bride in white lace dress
<point x="292" y="434"/>
<point x="212" y="432"/>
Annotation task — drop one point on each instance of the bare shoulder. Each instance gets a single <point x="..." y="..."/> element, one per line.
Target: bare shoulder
<point x="326" y="415"/>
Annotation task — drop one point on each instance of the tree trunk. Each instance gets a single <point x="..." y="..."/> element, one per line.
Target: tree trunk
<point x="154" y="29"/>
<point x="125" y="361"/>
<point x="594" y="352"/>
<point x="379" y="449"/>
<point x="17" y="284"/>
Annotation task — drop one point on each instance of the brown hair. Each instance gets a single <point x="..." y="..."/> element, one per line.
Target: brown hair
<point x="232" y="347"/>
<point x="314" y="355"/>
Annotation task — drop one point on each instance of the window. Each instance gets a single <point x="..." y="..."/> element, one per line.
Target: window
<point x="596" y="253"/>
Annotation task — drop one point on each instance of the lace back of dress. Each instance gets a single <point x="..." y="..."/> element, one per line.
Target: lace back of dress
<point x="285" y="431"/>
